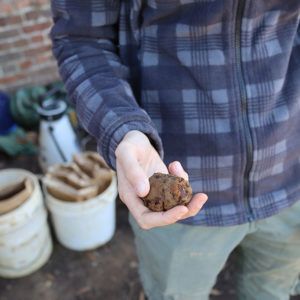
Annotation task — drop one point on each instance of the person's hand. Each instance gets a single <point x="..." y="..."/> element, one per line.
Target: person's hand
<point x="136" y="161"/>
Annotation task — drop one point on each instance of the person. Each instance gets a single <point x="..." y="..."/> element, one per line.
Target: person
<point x="210" y="89"/>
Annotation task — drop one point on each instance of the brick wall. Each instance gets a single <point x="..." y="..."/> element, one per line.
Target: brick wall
<point x="25" y="48"/>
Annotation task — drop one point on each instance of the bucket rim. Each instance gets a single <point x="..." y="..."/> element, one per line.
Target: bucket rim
<point x="35" y="192"/>
<point x="55" y="204"/>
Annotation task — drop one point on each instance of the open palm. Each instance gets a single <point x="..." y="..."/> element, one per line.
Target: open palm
<point x="137" y="160"/>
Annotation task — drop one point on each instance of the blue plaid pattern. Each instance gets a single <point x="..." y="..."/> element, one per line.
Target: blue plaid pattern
<point x="169" y="69"/>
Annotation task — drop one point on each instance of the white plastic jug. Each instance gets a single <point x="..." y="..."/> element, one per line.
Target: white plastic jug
<point x="57" y="139"/>
<point x="25" y="240"/>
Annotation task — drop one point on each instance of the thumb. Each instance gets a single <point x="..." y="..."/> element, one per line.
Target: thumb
<point x="134" y="173"/>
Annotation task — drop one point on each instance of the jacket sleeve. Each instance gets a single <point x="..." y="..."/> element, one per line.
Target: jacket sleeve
<point x="84" y="38"/>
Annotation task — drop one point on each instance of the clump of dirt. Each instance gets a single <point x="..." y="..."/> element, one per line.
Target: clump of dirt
<point x="167" y="191"/>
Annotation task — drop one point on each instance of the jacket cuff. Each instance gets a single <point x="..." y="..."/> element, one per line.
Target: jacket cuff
<point x="109" y="142"/>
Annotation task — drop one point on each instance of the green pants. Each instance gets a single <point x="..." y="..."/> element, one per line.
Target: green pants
<point x="181" y="262"/>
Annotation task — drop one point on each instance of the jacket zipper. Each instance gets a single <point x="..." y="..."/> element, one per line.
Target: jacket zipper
<point x="242" y="88"/>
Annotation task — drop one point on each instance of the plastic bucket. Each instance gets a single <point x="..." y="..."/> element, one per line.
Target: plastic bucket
<point x="84" y="225"/>
<point x="25" y="241"/>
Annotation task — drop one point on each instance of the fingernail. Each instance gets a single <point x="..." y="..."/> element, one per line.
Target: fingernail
<point x="205" y="197"/>
<point x="140" y="188"/>
<point x="178" y="167"/>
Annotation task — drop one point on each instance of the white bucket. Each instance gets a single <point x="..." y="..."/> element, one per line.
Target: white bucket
<point x="25" y="241"/>
<point x="84" y="225"/>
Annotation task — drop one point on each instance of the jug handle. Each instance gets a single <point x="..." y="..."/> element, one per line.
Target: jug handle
<point x="50" y="129"/>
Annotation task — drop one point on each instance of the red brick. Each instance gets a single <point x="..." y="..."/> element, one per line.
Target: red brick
<point x="37" y="27"/>
<point x="42" y="2"/>
<point x="5" y="46"/>
<point x="46" y="13"/>
<point x="10" y="68"/>
<point x="37" y="39"/>
<point x="18" y="61"/>
<point x="45" y="58"/>
<point x="10" y="20"/>
<point x="6" y="8"/>
<point x="9" y="33"/>
<point x="42" y="59"/>
<point x="32" y="15"/>
<point x="47" y="78"/>
<point x="40" y="78"/>
<point x="21" y="43"/>
<point x="9" y="57"/>
<point x="12" y="79"/>
<point x="25" y="64"/>
<point x="22" y="4"/>
<point x="45" y="71"/>
<point x="38" y="3"/>
<point x="36" y="51"/>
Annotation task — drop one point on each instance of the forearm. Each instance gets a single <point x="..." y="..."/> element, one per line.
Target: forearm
<point x="94" y="77"/>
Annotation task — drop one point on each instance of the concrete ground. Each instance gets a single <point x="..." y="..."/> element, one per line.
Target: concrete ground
<point x="108" y="273"/>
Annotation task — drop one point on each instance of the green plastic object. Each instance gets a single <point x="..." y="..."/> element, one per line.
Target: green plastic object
<point x="15" y="143"/>
<point x="24" y="102"/>
<point x="23" y="106"/>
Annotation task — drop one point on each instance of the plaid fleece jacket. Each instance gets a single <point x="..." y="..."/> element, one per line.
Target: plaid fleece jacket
<point x="215" y="84"/>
